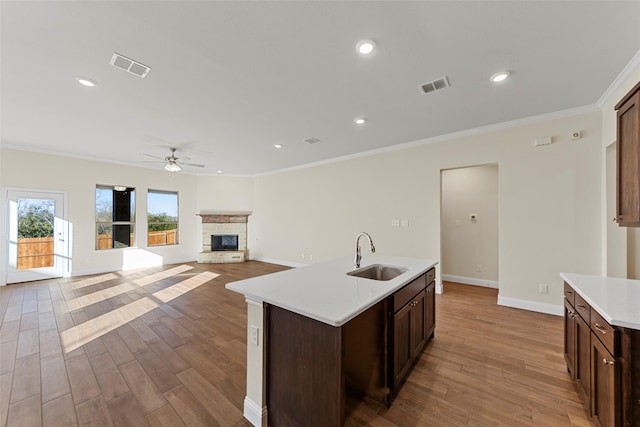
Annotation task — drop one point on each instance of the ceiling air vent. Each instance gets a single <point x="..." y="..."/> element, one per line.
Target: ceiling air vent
<point x="311" y="140"/>
<point x="129" y="65"/>
<point x="434" y="85"/>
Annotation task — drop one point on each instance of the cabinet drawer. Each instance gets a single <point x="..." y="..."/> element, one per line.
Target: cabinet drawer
<point x="406" y="294"/>
<point x="606" y="333"/>
<point x="431" y="275"/>
<point x="583" y="309"/>
<point x="569" y="293"/>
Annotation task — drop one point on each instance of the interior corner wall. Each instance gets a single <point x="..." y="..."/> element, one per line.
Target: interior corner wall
<point x="622" y="243"/>
<point x="78" y="178"/>
<point x="470" y="247"/>
<point x="549" y="204"/>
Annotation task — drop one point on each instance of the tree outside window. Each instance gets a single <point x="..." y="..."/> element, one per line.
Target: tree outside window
<point x="162" y="217"/>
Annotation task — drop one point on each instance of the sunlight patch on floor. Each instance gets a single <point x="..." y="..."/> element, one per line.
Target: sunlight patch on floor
<point x="96" y="297"/>
<point x="86" y="332"/>
<point x="93" y="281"/>
<point x="144" y="281"/>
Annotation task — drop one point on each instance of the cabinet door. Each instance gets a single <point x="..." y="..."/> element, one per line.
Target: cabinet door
<point x="570" y="338"/>
<point x="628" y="161"/>
<point x="605" y="384"/>
<point x="583" y="358"/>
<point x="418" y="322"/>
<point x="401" y="343"/>
<point x="430" y="299"/>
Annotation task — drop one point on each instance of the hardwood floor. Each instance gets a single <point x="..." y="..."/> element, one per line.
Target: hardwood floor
<point x="167" y="347"/>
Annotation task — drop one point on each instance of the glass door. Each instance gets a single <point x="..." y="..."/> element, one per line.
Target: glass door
<point x="37" y="247"/>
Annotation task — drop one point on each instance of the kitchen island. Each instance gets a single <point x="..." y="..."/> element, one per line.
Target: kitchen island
<point x="602" y="346"/>
<point x="316" y="331"/>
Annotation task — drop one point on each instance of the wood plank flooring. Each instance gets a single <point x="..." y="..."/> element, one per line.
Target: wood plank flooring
<point x="167" y="347"/>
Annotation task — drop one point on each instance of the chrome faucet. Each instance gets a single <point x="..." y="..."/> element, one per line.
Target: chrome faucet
<point x="358" y="257"/>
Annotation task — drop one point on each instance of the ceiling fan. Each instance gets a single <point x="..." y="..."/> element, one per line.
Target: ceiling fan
<point x="172" y="163"/>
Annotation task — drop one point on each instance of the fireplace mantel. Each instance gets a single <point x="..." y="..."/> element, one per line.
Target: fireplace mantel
<point x="224" y="218"/>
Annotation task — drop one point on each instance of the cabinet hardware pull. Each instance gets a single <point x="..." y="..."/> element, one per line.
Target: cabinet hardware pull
<point x="581" y="307"/>
<point x="600" y="329"/>
<point x="608" y="362"/>
<point x="569" y="293"/>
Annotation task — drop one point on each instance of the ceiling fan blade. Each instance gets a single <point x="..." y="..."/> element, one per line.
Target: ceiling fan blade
<point x="193" y="164"/>
<point x="155" y="157"/>
<point x="154" y="161"/>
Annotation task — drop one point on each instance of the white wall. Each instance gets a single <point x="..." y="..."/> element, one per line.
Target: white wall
<point x="549" y="204"/>
<point x="622" y="250"/>
<point x="467" y="244"/>
<point x="29" y="170"/>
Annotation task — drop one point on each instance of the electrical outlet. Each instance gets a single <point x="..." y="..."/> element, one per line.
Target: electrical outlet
<point x="544" y="289"/>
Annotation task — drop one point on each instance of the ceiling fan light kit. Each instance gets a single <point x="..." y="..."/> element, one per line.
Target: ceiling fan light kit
<point x="171" y="162"/>
<point x="172" y="167"/>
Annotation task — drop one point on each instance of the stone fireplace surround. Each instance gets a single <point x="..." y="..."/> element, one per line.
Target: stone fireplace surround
<point x="223" y="223"/>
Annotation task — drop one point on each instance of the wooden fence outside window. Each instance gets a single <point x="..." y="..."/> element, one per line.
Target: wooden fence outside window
<point x="38" y="252"/>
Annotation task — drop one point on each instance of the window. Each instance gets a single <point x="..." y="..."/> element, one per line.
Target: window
<point x="162" y="217"/>
<point x="115" y="217"/>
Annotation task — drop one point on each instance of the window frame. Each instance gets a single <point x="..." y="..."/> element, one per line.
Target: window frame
<point x="176" y="222"/>
<point x="102" y="225"/>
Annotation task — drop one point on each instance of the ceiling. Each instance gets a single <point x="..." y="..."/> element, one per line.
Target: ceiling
<point x="229" y="80"/>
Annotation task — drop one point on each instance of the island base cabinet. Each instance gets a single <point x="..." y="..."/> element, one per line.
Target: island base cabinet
<point x="305" y="381"/>
<point x="605" y="397"/>
<point x="409" y="336"/>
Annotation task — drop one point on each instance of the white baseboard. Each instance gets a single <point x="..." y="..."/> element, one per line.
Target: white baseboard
<point x="103" y="270"/>
<point x="278" y="261"/>
<point x="470" y="281"/>
<point x="254" y="413"/>
<point x="540" y="307"/>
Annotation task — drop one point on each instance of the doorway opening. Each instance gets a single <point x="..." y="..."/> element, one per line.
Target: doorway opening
<point x="469" y="225"/>
<point x="36" y="236"/>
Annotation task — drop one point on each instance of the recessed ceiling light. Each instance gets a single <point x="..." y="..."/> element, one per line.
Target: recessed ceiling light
<point x="278" y="145"/>
<point x="360" y="120"/>
<point x="219" y="171"/>
<point x="85" y="81"/>
<point x="365" y="47"/>
<point x="498" y="77"/>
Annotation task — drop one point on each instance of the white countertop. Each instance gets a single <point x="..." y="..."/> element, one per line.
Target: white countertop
<point x="325" y="292"/>
<point x="616" y="300"/>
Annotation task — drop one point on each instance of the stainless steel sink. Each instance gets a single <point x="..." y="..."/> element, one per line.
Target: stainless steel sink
<point x="378" y="272"/>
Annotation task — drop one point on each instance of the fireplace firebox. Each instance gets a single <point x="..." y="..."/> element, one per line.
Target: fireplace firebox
<point x="224" y="242"/>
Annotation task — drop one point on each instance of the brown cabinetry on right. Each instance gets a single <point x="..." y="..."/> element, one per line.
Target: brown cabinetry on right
<point x="604" y="361"/>
<point x="628" y="159"/>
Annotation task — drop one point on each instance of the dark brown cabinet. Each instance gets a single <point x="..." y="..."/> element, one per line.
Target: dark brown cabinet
<point x="570" y="338"/>
<point x="312" y="366"/>
<point x="430" y="301"/>
<point x="604" y="362"/>
<point x="628" y="159"/>
<point x="409" y="336"/>
<point x="605" y="385"/>
<point x="411" y="325"/>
